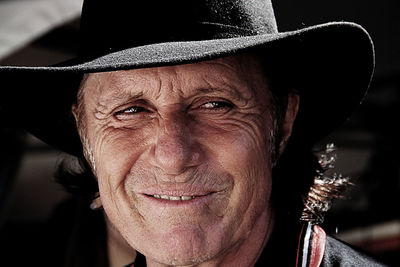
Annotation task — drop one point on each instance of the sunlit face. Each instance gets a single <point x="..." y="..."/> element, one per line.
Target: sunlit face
<point x="182" y="157"/>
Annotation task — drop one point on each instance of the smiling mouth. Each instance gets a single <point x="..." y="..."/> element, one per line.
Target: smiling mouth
<point x="178" y="198"/>
<point x="174" y="198"/>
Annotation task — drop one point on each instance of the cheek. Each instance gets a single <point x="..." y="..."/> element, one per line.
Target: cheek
<point x="242" y="146"/>
<point x="244" y="152"/>
<point x="250" y="195"/>
<point x="249" y="162"/>
<point x="115" y="152"/>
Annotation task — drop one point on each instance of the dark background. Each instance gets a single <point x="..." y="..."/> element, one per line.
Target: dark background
<point x="367" y="145"/>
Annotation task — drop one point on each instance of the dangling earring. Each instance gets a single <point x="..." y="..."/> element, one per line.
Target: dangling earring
<point x="96" y="202"/>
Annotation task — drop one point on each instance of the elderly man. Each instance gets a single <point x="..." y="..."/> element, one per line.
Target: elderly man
<point x="185" y="112"/>
<point x="192" y="178"/>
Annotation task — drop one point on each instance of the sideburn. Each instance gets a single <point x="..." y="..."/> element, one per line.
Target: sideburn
<point x="279" y="105"/>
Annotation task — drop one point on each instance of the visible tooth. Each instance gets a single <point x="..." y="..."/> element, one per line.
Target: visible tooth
<point x="174" y="198"/>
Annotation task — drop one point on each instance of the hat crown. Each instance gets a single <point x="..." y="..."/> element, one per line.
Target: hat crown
<point x="107" y="26"/>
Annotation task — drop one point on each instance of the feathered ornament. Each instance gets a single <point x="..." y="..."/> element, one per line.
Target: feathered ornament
<point x="327" y="187"/>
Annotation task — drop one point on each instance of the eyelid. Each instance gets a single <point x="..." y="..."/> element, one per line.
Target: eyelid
<point x="142" y="105"/>
<point x="202" y="101"/>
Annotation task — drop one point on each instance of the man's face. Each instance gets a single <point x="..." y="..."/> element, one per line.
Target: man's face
<point x="182" y="156"/>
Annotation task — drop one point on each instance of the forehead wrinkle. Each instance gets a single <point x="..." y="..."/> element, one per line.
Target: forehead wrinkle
<point x="173" y="80"/>
<point x="153" y="83"/>
<point x="168" y="86"/>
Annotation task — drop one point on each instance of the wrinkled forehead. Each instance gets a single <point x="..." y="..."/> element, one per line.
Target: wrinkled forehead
<point x="240" y="74"/>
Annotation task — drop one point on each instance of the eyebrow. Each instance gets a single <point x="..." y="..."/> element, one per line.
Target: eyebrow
<point x="232" y="90"/>
<point x="124" y="96"/>
<point x="110" y="102"/>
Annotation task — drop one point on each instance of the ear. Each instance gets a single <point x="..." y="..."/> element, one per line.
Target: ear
<point x="74" y="112"/>
<point x="96" y="202"/>
<point x="290" y="116"/>
<point x="77" y="111"/>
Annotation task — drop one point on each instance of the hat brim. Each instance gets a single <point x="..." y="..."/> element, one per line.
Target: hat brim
<point x="330" y="64"/>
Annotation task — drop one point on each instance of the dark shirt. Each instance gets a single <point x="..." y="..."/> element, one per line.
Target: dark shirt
<point x="285" y="250"/>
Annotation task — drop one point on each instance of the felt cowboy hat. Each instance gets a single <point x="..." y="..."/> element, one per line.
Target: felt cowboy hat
<point x="330" y="64"/>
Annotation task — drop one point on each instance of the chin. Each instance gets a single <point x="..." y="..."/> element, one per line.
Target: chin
<point x="183" y="246"/>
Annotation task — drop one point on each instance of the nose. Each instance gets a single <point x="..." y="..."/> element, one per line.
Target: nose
<point x="175" y="149"/>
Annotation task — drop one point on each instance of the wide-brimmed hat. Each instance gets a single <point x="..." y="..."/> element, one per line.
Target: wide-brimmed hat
<point x="330" y="64"/>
